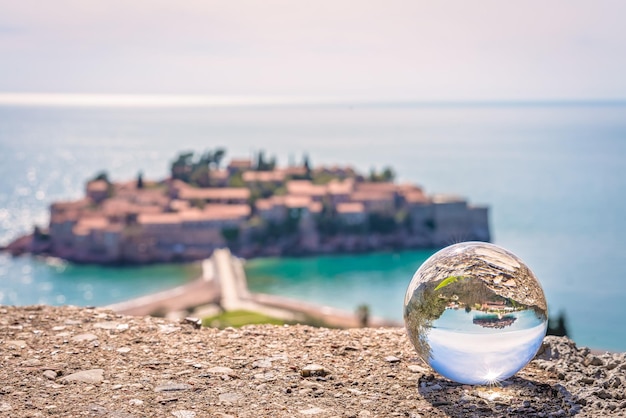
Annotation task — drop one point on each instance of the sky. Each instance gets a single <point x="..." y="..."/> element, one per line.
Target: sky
<point x="438" y="50"/>
<point x="483" y="358"/>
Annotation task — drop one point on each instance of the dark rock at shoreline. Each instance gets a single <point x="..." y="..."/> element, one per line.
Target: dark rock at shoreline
<point x="19" y="246"/>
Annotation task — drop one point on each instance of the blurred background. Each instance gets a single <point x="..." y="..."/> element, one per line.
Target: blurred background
<point x="520" y="107"/>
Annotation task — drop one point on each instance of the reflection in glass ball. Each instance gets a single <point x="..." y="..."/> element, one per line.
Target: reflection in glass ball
<point x="475" y="313"/>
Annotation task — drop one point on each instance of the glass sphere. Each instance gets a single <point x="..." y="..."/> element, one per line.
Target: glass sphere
<point x="475" y="313"/>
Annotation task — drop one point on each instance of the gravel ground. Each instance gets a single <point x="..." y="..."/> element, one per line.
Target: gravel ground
<point x="75" y="362"/>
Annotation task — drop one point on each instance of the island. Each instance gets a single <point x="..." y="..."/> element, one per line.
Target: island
<point x="253" y="207"/>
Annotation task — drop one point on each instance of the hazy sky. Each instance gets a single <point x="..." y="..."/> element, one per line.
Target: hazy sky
<point x="416" y="50"/>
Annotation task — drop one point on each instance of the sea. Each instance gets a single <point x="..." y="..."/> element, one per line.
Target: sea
<point x="552" y="174"/>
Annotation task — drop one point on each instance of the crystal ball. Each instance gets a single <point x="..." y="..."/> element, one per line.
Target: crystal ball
<point x="475" y="313"/>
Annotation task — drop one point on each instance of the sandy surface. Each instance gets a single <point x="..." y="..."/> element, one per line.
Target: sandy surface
<point x="73" y="362"/>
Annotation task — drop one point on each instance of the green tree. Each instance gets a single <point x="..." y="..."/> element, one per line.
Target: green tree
<point x="231" y="235"/>
<point x="140" y="180"/>
<point x="306" y="163"/>
<point x="381" y="223"/>
<point x="236" y="180"/>
<point x="102" y="175"/>
<point x="182" y="166"/>
<point x="423" y="308"/>
<point x="363" y="313"/>
<point x="200" y="176"/>
<point x="388" y="174"/>
<point x="558" y="326"/>
<point x="218" y="156"/>
<point x="263" y="164"/>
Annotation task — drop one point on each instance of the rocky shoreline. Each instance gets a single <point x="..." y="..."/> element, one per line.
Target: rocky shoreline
<point x="68" y="361"/>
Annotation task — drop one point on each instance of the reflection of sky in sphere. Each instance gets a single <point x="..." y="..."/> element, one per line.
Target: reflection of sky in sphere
<point x="483" y="358"/>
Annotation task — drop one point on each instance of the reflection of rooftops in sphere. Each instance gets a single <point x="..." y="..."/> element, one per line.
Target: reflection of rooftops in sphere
<point x="494" y="321"/>
<point x="501" y="271"/>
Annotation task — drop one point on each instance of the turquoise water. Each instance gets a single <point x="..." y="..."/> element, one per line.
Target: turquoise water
<point x="53" y="282"/>
<point x="553" y="176"/>
<point x="378" y="280"/>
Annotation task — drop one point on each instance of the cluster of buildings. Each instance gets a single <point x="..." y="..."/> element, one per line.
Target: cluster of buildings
<point x="175" y="221"/>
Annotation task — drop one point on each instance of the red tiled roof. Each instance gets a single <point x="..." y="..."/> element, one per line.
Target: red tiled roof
<point x="219" y="211"/>
<point x="97" y="186"/>
<point x="179" y="205"/>
<point x="366" y="196"/>
<point x="85" y="225"/>
<point x="158" y="218"/>
<point x="305" y="188"/>
<point x="293" y="171"/>
<point x="336" y="187"/>
<point x="214" y="193"/>
<point x="70" y="205"/>
<point x="315" y="207"/>
<point x="368" y="186"/>
<point x="408" y="187"/>
<point x="240" y="163"/>
<point x="263" y="176"/>
<point x="219" y="174"/>
<point x="350" y="207"/>
<point x="447" y="198"/>
<point x="294" y="202"/>
<point x="178" y="184"/>
<point x="416" y="196"/>
<point x="264" y="204"/>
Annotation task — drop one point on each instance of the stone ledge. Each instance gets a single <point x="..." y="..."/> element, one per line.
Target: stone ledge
<point x="91" y="362"/>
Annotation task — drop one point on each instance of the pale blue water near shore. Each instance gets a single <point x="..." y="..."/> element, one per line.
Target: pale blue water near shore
<point x="553" y="175"/>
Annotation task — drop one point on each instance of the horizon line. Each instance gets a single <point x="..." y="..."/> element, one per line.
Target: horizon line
<point x="191" y="100"/>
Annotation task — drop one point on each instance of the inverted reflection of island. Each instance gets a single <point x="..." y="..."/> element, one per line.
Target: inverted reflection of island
<point x="494" y="321"/>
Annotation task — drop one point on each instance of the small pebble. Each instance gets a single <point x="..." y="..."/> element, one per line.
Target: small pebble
<point x="230" y="397"/>
<point x="262" y="364"/>
<point x="313" y="370"/>
<point x="184" y="414"/>
<point x="417" y="369"/>
<point x="312" y="411"/>
<point x="195" y="322"/>
<point x="16" y="344"/>
<point x="85" y="376"/>
<point x="84" y="337"/>
<point x="220" y="370"/>
<point x="172" y="387"/>
<point x="49" y="374"/>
